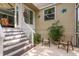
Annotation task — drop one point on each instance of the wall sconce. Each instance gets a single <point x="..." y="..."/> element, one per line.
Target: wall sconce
<point x="39" y="16"/>
<point x="64" y="10"/>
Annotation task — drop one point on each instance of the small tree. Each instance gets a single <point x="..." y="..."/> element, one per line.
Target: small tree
<point x="56" y="31"/>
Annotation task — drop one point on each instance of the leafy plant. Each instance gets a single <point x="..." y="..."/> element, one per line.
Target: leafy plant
<point x="56" y="31"/>
<point x="37" y="38"/>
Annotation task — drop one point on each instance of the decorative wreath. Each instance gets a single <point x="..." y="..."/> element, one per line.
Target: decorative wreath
<point x="25" y="13"/>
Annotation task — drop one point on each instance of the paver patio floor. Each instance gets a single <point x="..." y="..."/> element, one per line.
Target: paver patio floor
<point x="53" y="50"/>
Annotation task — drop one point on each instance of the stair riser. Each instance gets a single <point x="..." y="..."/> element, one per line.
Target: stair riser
<point x="11" y="29"/>
<point x="14" y="34"/>
<point x="14" y="37"/>
<point x="22" y="37"/>
<point x="7" y="45"/>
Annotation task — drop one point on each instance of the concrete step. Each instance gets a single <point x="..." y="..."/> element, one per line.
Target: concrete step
<point x="19" y="51"/>
<point x="12" y="42"/>
<point x="15" y="42"/>
<point x="7" y="47"/>
<point x="15" y="37"/>
<point x="14" y="34"/>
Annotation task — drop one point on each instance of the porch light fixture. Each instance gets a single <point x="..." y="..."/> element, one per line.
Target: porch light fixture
<point x="64" y="10"/>
<point x="38" y="16"/>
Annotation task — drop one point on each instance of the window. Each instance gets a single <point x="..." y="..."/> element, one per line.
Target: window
<point x="7" y="17"/>
<point x="31" y="17"/>
<point x="49" y="14"/>
<point x="28" y="16"/>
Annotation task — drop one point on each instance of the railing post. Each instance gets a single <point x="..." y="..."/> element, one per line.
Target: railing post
<point x="32" y="39"/>
<point x="1" y="40"/>
<point x="15" y="16"/>
<point x="1" y="46"/>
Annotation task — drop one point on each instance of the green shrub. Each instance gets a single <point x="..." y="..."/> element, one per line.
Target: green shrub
<point x="37" y="38"/>
<point x="56" y="31"/>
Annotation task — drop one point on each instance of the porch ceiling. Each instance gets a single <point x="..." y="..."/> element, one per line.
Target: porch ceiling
<point x="7" y="5"/>
<point x="32" y="6"/>
<point x="43" y="5"/>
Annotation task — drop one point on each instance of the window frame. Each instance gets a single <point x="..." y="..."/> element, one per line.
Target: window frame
<point x="50" y="13"/>
<point x="29" y="19"/>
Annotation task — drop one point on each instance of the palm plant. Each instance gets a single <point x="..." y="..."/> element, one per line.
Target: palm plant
<point x="56" y="31"/>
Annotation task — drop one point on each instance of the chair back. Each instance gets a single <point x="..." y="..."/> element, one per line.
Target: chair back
<point x="67" y="38"/>
<point x="62" y="38"/>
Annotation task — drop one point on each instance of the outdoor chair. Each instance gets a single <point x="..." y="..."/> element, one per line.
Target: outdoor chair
<point x="44" y="41"/>
<point x="66" y="43"/>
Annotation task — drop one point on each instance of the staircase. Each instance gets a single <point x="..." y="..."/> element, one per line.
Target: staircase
<point x="15" y="42"/>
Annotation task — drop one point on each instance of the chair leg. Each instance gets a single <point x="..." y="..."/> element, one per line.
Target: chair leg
<point x="72" y="46"/>
<point x="42" y="42"/>
<point x="58" y="45"/>
<point x="49" y="44"/>
<point x="67" y="48"/>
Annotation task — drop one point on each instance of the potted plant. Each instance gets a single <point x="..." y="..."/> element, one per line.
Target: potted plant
<point x="37" y="38"/>
<point x="55" y="32"/>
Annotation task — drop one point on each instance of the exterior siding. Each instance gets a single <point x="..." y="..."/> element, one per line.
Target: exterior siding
<point x="66" y="19"/>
